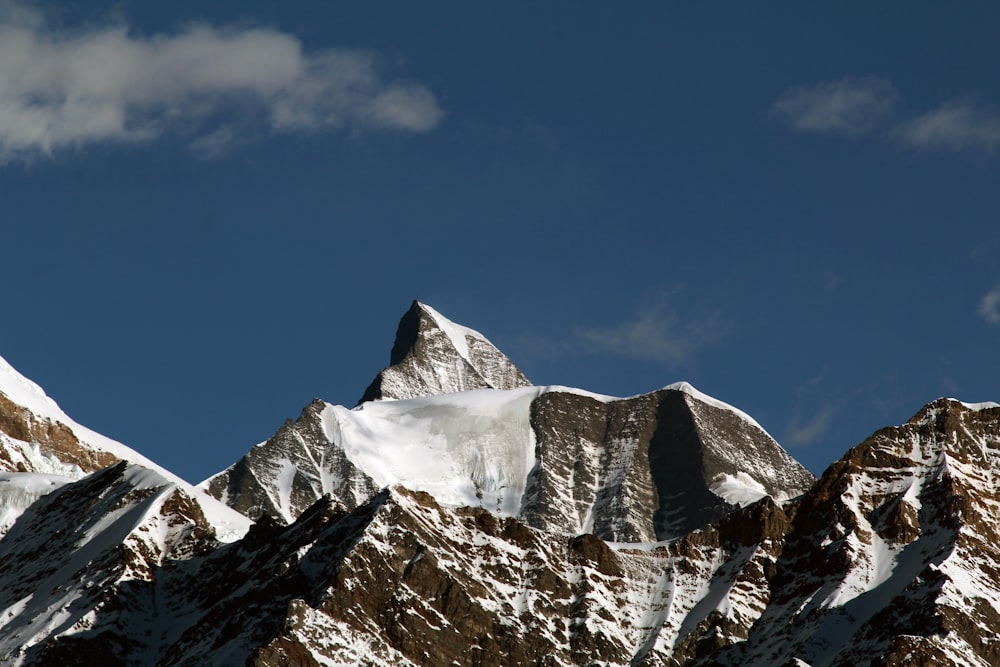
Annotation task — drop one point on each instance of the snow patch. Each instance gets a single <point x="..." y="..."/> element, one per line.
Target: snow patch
<point x="740" y="489"/>
<point x="978" y="407"/>
<point x="19" y="490"/>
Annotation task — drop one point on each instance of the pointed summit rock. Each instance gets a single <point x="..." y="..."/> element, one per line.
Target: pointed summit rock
<point x="432" y="355"/>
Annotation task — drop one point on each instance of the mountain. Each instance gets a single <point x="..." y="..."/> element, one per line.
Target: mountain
<point x="504" y="526"/>
<point x="888" y="559"/>
<point x="636" y="469"/>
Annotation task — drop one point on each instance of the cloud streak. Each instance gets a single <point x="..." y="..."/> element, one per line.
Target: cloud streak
<point x="989" y="306"/>
<point x="800" y="433"/>
<point x="848" y="106"/>
<point x="954" y="126"/>
<point x="656" y="333"/>
<point x="855" y="106"/>
<point x="63" y="89"/>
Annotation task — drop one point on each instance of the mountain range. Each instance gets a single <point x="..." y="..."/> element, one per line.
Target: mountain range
<point x="460" y="515"/>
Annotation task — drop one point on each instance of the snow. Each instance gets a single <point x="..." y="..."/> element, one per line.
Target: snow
<point x="978" y="407"/>
<point x="740" y="489"/>
<point x="471" y="448"/>
<point x="23" y="391"/>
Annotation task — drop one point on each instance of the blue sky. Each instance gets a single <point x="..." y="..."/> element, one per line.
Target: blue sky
<point x="212" y="214"/>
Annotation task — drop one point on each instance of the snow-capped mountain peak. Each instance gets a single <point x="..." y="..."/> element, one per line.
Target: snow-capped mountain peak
<point x="641" y="468"/>
<point x="432" y="355"/>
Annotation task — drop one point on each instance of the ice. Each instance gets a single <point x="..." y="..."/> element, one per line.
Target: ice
<point x="977" y="407"/>
<point x="472" y="448"/>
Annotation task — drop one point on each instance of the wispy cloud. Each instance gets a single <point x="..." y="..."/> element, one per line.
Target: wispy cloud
<point x="859" y="105"/>
<point x="955" y="126"/>
<point x="803" y="432"/>
<point x="64" y="89"/>
<point x="848" y="106"/>
<point x="657" y="332"/>
<point x="989" y="306"/>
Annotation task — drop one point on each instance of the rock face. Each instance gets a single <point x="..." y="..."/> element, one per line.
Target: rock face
<point x="651" y="467"/>
<point x="433" y="355"/>
<point x="73" y="554"/>
<point x="521" y="526"/>
<point x="284" y="476"/>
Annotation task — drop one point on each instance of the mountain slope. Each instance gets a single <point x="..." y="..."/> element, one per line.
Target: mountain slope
<point x="892" y="558"/>
<point x="71" y="554"/>
<point x="37" y="437"/>
<point x="403" y="581"/>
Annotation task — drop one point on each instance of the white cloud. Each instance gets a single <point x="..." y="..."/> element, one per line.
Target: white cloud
<point x="849" y="106"/>
<point x="953" y="126"/>
<point x="64" y="89"/>
<point x="989" y="307"/>
<point x="657" y="333"/>
<point x="801" y="433"/>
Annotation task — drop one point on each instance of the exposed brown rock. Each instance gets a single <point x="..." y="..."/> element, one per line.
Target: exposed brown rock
<point x="55" y="438"/>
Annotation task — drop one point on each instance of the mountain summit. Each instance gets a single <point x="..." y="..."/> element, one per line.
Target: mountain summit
<point x="432" y="355"/>
<point x="635" y="469"/>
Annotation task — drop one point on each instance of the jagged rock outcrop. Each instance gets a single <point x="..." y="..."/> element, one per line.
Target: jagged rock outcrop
<point x="893" y="558"/>
<point x="403" y="581"/>
<point x="432" y="355"/>
<point x="285" y="475"/>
